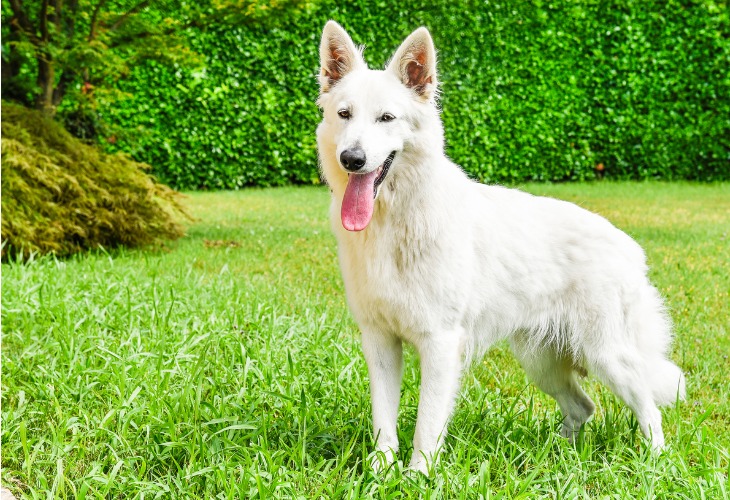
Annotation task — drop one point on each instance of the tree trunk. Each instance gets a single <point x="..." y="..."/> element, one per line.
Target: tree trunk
<point x="46" y="80"/>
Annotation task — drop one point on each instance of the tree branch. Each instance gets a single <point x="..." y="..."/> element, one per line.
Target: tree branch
<point x="94" y="19"/>
<point x="141" y="5"/>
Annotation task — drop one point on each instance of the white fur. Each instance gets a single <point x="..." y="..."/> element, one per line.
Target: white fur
<point x="452" y="266"/>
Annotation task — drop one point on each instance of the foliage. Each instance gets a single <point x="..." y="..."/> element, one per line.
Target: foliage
<point x="53" y="49"/>
<point x="70" y="56"/>
<point x="229" y="368"/>
<point x="242" y="120"/>
<point x="61" y="196"/>
<point x="531" y="90"/>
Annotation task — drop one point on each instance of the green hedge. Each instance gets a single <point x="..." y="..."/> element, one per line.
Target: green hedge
<point x="531" y="91"/>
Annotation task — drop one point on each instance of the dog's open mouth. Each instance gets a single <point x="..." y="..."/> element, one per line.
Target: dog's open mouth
<point x="383" y="171"/>
<point x="359" y="199"/>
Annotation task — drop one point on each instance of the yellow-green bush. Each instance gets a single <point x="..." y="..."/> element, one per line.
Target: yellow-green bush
<point x="62" y="196"/>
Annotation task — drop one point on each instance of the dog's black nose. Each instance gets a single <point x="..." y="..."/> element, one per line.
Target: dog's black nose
<point x="353" y="159"/>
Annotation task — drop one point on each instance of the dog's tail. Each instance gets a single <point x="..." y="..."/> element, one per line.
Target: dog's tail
<point x="653" y="330"/>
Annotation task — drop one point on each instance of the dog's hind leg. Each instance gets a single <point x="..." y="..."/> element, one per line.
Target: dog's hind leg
<point x="624" y="372"/>
<point x="384" y="357"/>
<point x="441" y="364"/>
<point x="556" y="375"/>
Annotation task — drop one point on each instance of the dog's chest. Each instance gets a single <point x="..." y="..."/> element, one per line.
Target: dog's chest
<point x="398" y="286"/>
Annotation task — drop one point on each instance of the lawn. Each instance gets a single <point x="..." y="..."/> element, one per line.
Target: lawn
<point x="226" y="365"/>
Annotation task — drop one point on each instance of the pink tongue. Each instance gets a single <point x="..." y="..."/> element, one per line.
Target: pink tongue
<point x="357" y="204"/>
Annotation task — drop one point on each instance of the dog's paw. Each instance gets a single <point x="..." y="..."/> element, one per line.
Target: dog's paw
<point x="381" y="460"/>
<point x="575" y="424"/>
<point x="570" y="431"/>
<point x="658" y="446"/>
<point x="422" y="464"/>
<point x="420" y="467"/>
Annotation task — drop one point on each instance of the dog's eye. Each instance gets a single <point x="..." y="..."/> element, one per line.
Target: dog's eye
<point x="344" y="113"/>
<point x="387" y="117"/>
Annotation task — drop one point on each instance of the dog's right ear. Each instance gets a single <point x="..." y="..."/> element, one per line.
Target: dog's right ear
<point x="338" y="55"/>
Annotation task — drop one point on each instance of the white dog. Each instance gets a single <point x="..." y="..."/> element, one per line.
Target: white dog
<point x="452" y="266"/>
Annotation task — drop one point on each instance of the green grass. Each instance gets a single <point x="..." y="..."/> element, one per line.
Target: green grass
<point x="227" y="366"/>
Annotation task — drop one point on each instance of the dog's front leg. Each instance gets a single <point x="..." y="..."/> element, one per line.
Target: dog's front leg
<point x="384" y="357"/>
<point x="441" y="361"/>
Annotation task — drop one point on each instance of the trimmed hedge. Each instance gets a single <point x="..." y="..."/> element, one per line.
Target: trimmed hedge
<point x="61" y="196"/>
<point x="531" y="91"/>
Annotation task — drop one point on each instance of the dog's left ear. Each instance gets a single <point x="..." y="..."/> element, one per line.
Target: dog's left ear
<point x="414" y="63"/>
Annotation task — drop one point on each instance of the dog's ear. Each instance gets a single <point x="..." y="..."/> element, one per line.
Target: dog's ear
<point x="338" y="55"/>
<point x="414" y="63"/>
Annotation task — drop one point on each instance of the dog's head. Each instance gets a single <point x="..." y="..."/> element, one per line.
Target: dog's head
<point x="371" y="118"/>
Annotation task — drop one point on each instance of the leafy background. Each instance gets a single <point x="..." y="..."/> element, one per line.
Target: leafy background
<point x="220" y="93"/>
<point x="531" y="91"/>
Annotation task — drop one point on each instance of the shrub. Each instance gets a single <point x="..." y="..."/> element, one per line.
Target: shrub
<point x="531" y="91"/>
<point x="61" y="196"/>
